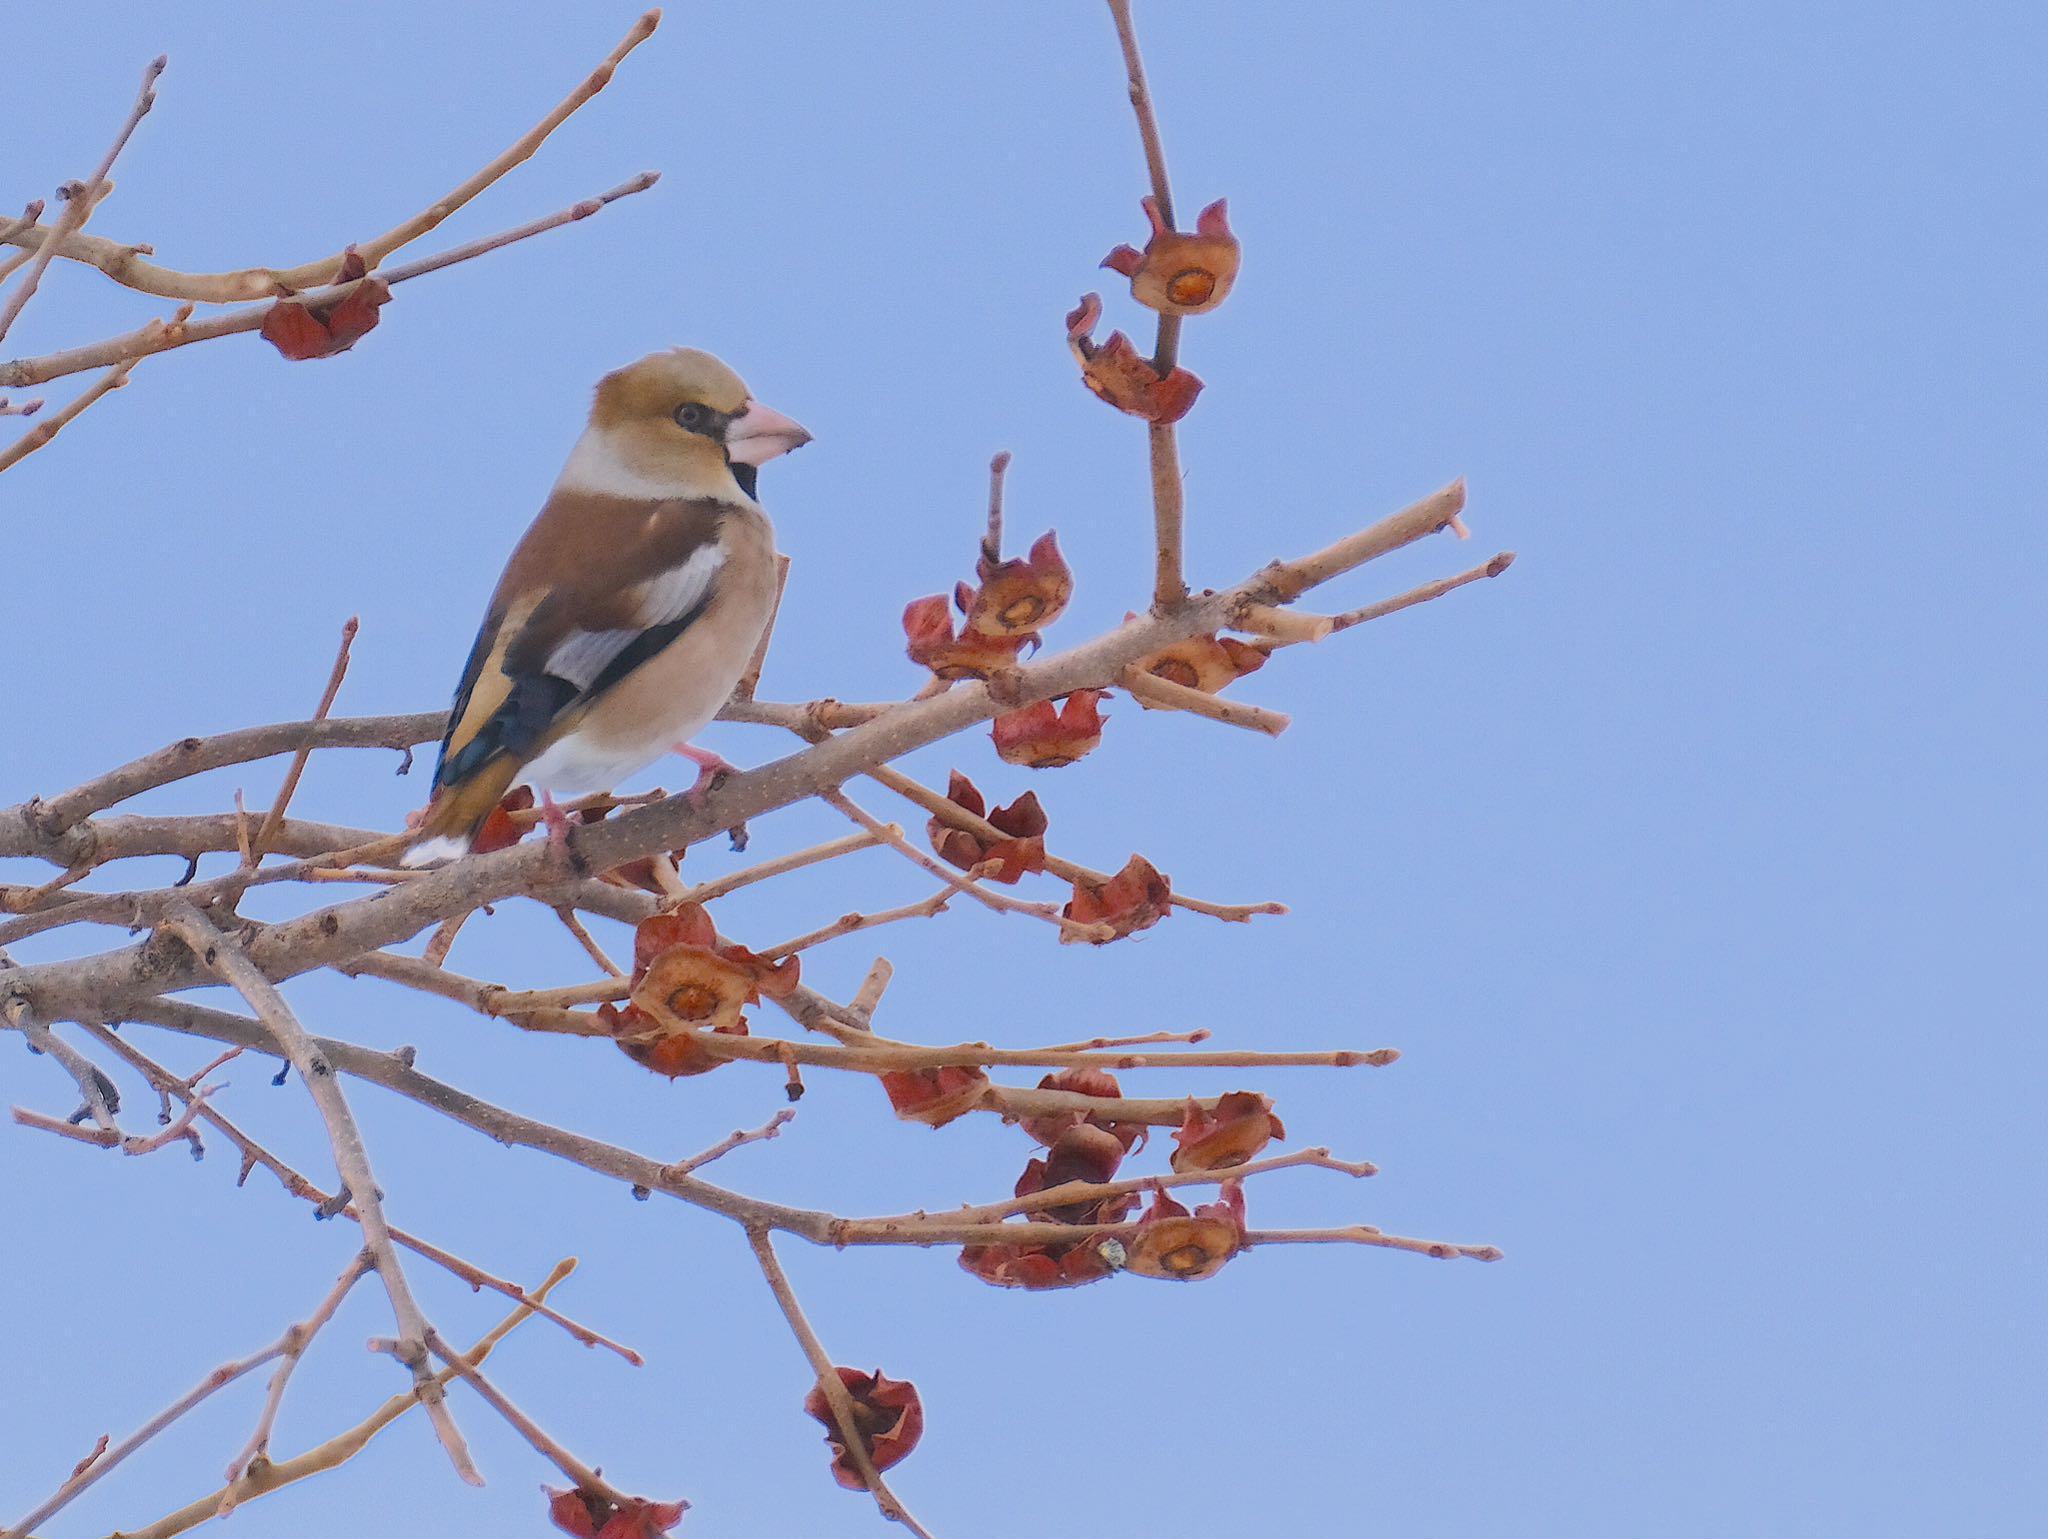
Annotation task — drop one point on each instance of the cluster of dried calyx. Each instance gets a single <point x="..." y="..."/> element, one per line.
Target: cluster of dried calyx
<point x="1117" y="1183"/>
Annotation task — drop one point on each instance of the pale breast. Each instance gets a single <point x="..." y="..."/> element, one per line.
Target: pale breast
<point x="674" y="694"/>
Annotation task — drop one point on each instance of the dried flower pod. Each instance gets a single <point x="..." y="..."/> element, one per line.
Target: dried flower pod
<point x="705" y="988"/>
<point x="500" y="830"/>
<point x="689" y="925"/>
<point x="1136" y="898"/>
<point x="301" y="331"/>
<point x="1240" y="1126"/>
<point x="1178" y="273"/>
<point x="1083" y="1152"/>
<point x="888" y="1415"/>
<point x="1021" y="596"/>
<point x="697" y="987"/>
<point x="688" y="929"/>
<point x="1206" y="662"/>
<point x="1037" y="1266"/>
<point x="999" y="860"/>
<point x="935" y="1096"/>
<point x="1187" y="1247"/>
<point x="659" y="1047"/>
<point x="1116" y="372"/>
<point x="969" y="655"/>
<point x="684" y="980"/>
<point x="591" y="1516"/>
<point x="1043" y="736"/>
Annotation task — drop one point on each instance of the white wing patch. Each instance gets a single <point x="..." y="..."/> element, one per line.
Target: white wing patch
<point x="582" y="655"/>
<point x="674" y="593"/>
<point x="662" y="599"/>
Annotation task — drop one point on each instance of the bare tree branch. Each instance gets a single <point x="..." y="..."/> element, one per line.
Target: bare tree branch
<point x="351" y="1162"/>
<point x="829" y="1384"/>
<point x="155" y="338"/>
<point x="124" y="265"/>
<point x="263" y="1477"/>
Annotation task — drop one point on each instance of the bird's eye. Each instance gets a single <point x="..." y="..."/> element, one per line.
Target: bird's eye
<point x="690" y="415"/>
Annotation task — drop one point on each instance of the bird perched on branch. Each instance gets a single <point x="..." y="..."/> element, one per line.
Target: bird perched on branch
<point x="629" y="609"/>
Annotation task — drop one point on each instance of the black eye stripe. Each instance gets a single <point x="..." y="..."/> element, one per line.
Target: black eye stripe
<point x="695" y="417"/>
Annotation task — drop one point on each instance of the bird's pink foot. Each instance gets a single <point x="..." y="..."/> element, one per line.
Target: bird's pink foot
<point x="710" y="768"/>
<point x="559" y="822"/>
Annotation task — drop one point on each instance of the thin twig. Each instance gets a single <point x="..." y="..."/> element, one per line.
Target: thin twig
<point x="1141" y="104"/>
<point x="1283" y="625"/>
<point x="443" y="939"/>
<point x="497" y="1001"/>
<point x="296" y="1340"/>
<point x="587" y="941"/>
<point x="1169" y="503"/>
<point x="275" y="816"/>
<point x="848" y="924"/>
<point x="769" y="1129"/>
<point x="1168" y="695"/>
<point x="831" y="849"/>
<point x="751" y="679"/>
<point x="1096" y="1044"/>
<point x="869" y="995"/>
<point x="13" y="227"/>
<point x="244" y="845"/>
<point x="1422" y="594"/>
<point x="1366" y="1234"/>
<point x="992" y="542"/>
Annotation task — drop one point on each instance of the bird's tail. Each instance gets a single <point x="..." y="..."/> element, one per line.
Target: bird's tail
<point x="458" y="811"/>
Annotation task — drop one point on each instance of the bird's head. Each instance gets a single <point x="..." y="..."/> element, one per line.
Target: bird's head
<point x="679" y="423"/>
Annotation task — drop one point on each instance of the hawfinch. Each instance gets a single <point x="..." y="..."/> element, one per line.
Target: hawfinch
<point x="630" y="608"/>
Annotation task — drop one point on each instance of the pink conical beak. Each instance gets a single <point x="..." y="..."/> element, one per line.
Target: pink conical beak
<point x="759" y="433"/>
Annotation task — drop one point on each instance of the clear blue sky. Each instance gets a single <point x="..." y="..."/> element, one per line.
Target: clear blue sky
<point x="1694" y="866"/>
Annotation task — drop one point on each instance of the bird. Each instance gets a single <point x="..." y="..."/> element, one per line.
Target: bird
<point x="628" y="610"/>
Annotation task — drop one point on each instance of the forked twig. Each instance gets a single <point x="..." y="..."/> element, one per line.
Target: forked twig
<point x="123" y="263"/>
<point x="352" y="1163"/>
<point x="84" y="199"/>
<point x="264" y="1476"/>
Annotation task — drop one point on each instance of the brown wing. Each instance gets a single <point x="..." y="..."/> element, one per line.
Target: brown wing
<point x="596" y="586"/>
